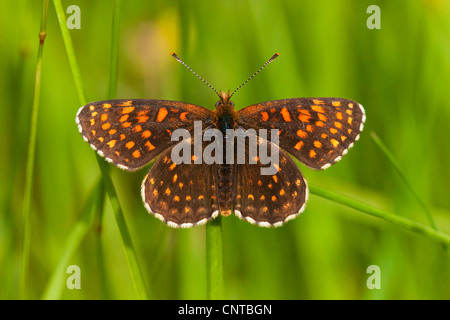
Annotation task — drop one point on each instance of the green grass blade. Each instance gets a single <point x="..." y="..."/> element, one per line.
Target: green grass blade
<point x="94" y="204"/>
<point x="214" y="259"/>
<point x="395" y="219"/>
<point x="136" y="274"/>
<point x="114" y="56"/>
<point x="31" y="156"/>
<point x="397" y="167"/>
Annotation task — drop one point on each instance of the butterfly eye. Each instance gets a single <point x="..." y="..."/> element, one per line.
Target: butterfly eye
<point x="231" y="103"/>
<point x="218" y="103"/>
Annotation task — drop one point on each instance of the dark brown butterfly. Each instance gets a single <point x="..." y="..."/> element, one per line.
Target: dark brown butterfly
<point x="129" y="133"/>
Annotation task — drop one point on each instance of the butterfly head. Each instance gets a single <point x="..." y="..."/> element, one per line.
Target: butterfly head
<point x="224" y="105"/>
<point x="224" y="99"/>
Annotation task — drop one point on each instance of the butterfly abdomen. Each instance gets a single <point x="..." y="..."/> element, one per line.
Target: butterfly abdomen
<point x="225" y="188"/>
<point x="225" y="118"/>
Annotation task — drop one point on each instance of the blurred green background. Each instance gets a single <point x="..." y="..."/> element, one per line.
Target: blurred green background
<point x="400" y="73"/>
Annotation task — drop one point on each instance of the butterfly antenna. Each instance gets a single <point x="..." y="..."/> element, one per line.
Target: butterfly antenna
<point x="184" y="64"/>
<point x="265" y="64"/>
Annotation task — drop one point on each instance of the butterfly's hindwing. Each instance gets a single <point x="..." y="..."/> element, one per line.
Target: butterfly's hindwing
<point x="270" y="199"/>
<point x="181" y="195"/>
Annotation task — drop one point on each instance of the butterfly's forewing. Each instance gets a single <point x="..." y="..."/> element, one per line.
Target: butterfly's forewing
<point x="317" y="131"/>
<point x="269" y="199"/>
<point x="129" y="133"/>
<point x="181" y="195"/>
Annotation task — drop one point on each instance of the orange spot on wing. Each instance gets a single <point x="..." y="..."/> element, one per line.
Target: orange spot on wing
<point x="127" y="110"/>
<point x="149" y="146"/>
<point x="106" y="126"/>
<point x="317" y="101"/>
<point x="349" y="111"/>
<point x="162" y="113"/>
<point x="304" y="115"/>
<point x="343" y="138"/>
<point x="142" y="118"/>
<point x="317" y="108"/>
<point x="309" y="128"/>
<point x="319" y="123"/>
<point x="324" y="135"/>
<point x="333" y="130"/>
<point x="301" y="134"/>
<point x="103" y="117"/>
<point x="112" y="131"/>
<point x="339" y="116"/>
<point x="106" y="105"/>
<point x="96" y="113"/>
<point x="91" y="107"/>
<point x="129" y="144"/>
<point x="92" y="122"/>
<point x="183" y="116"/>
<point x="349" y="120"/>
<point x="126" y="124"/>
<point x="122" y="136"/>
<point x="322" y="117"/>
<point x="317" y="144"/>
<point x="137" y="128"/>
<point x="338" y="125"/>
<point x="334" y="142"/>
<point x="175" y="177"/>
<point x="336" y="103"/>
<point x="136" y="154"/>
<point x="111" y="143"/>
<point x="312" y="153"/>
<point x="126" y="103"/>
<point x="124" y="118"/>
<point x="299" y="145"/>
<point x="172" y="166"/>
<point x="146" y="134"/>
<point x="265" y="116"/>
<point x="286" y="115"/>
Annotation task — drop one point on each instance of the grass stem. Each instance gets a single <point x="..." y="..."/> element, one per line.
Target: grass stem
<point x="395" y="219"/>
<point x="30" y="158"/>
<point x="130" y="252"/>
<point x="214" y="259"/>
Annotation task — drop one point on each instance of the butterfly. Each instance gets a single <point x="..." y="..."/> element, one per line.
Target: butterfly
<point x="129" y="133"/>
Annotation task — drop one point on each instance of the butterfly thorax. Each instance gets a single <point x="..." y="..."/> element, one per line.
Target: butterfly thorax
<point x="225" y="117"/>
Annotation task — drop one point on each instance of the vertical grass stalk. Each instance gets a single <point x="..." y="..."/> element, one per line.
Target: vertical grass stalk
<point x="94" y="204"/>
<point x="214" y="259"/>
<point x="130" y="253"/>
<point x="31" y="156"/>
